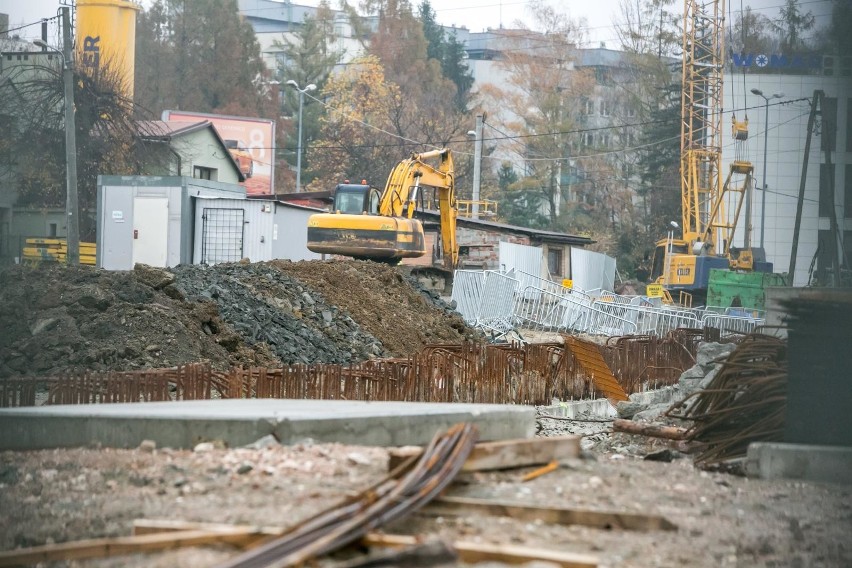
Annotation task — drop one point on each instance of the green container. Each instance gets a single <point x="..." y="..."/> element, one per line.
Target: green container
<point x="741" y="289"/>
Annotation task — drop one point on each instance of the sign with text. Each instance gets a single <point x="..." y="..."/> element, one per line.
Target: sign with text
<point x="654" y="291"/>
<point x="250" y="141"/>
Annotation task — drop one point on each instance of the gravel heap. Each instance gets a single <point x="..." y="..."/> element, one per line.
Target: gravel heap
<point x="57" y="319"/>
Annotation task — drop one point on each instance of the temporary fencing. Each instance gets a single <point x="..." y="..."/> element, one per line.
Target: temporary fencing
<point x="496" y="303"/>
<point x="468" y="372"/>
<point x="547" y="306"/>
<point x="467" y="292"/>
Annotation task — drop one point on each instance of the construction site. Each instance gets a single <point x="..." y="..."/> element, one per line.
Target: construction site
<point x="226" y="374"/>
<point x="271" y="414"/>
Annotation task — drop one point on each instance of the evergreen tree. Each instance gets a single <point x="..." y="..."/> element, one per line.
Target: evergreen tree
<point x="449" y="51"/>
<point x="198" y="55"/>
<point x="659" y="167"/>
<point x="792" y="27"/>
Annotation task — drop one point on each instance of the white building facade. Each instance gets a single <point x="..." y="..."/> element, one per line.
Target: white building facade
<point x="786" y="134"/>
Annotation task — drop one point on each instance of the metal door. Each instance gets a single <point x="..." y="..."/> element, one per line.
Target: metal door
<point x="222" y="235"/>
<point x="150" y="231"/>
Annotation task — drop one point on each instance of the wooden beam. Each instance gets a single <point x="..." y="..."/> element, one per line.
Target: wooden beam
<point x="468" y="551"/>
<point x="556" y="515"/>
<point x="160" y="526"/>
<point x="650" y="430"/>
<point x="478" y="552"/>
<point x="105" y="547"/>
<point x="506" y="454"/>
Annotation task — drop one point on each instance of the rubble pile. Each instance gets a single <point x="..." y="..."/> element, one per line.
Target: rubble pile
<point x="648" y="406"/>
<point x="58" y="319"/>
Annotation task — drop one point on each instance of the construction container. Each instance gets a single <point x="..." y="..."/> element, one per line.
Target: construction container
<point x="728" y="288"/>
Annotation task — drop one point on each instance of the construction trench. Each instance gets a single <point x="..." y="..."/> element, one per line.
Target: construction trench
<point x="276" y="413"/>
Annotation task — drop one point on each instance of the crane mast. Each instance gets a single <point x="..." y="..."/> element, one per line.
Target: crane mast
<point x="710" y="208"/>
<point x="701" y="120"/>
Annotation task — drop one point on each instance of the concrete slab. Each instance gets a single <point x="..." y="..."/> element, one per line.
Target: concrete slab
<point x="799" y="461"/>
<point x="240" y="422"/>
<point x="598" y="408"/>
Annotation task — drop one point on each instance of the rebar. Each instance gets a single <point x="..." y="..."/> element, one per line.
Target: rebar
<point x="745" y="402"/>
<point x="402" y="492"/>
<point x="468" y="372"/>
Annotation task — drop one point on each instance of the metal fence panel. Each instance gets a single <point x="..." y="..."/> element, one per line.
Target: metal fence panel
<point x="467" y="293"/>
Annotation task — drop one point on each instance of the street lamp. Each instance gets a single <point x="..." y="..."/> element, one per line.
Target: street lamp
<point x="477" y="164"/>
<point x="72" y="240"/>
<point x="766" y="99"/>
<point x="302" y="92"/>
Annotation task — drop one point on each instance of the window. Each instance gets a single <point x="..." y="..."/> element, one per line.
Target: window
<point x="52" y="229"/>
<point x="604" y="107"/>
<point x="825" y="201"/>
<point x="589" y="139"/>
<point x="554" y="261"/>
<point x="604" y="140"/>
<point x="631" y="112"/>
<point x="590" y="106"/>
<point x="828" y="138"/>
<point x="200" y="172"/>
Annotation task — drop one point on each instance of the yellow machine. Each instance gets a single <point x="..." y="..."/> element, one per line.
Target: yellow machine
<point x="370" y="225"/>
<point x="683" y="264"/>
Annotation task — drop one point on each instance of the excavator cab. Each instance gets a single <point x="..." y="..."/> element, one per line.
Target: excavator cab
<point x="356" y="199"/>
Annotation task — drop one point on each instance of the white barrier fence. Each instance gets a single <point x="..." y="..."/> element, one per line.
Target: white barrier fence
<point x="498" y="303"/>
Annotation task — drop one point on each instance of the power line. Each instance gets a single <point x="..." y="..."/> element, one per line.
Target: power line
<point x="32" y="24"/>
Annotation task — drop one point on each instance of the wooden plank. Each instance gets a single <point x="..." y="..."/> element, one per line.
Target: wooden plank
<point x="105" y="547"/>
<point x="556" y="515"/>
<point x="506" y="454"/>
<point x="468" y="551"/>
<point x="160" y="526"/>
<point x="650" y="430"/>
<point x="479" y="552"/>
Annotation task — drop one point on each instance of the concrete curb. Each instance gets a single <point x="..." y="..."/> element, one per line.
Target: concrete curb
<point x="599" y="408"/>
<point x="767" y="460"/>
<point x="240" y="422"/>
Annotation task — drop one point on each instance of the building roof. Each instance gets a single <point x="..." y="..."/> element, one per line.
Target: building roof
<point x="550" y="236"/>
<point x="168" y="130"/>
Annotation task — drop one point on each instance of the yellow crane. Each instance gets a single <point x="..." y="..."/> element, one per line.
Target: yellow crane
<point x="370" y="225"/>
<point x="683" y="264"/>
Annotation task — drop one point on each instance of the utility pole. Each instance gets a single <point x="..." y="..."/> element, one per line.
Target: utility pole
<point x="477" y="165"/>
<point x="791" y="272"/>
<point x="72" y="254"/>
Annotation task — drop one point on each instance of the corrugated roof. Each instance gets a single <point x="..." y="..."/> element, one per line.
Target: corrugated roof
<point x="504" y="228"/>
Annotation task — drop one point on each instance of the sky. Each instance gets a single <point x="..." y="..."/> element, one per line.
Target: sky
<point x="476" y="15"/>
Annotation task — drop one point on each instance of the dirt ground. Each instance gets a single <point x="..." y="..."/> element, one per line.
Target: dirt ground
<point x="723" y="520"/>
<point x="57" y="319"/>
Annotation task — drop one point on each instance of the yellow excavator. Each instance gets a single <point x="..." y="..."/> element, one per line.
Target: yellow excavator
<point x="369" y="225"/>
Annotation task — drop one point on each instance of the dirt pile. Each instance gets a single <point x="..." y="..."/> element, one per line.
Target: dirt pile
<point x="57" y="319"/>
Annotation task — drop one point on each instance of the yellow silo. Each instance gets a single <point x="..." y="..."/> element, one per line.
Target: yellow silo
<point x="106" y="38"/>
